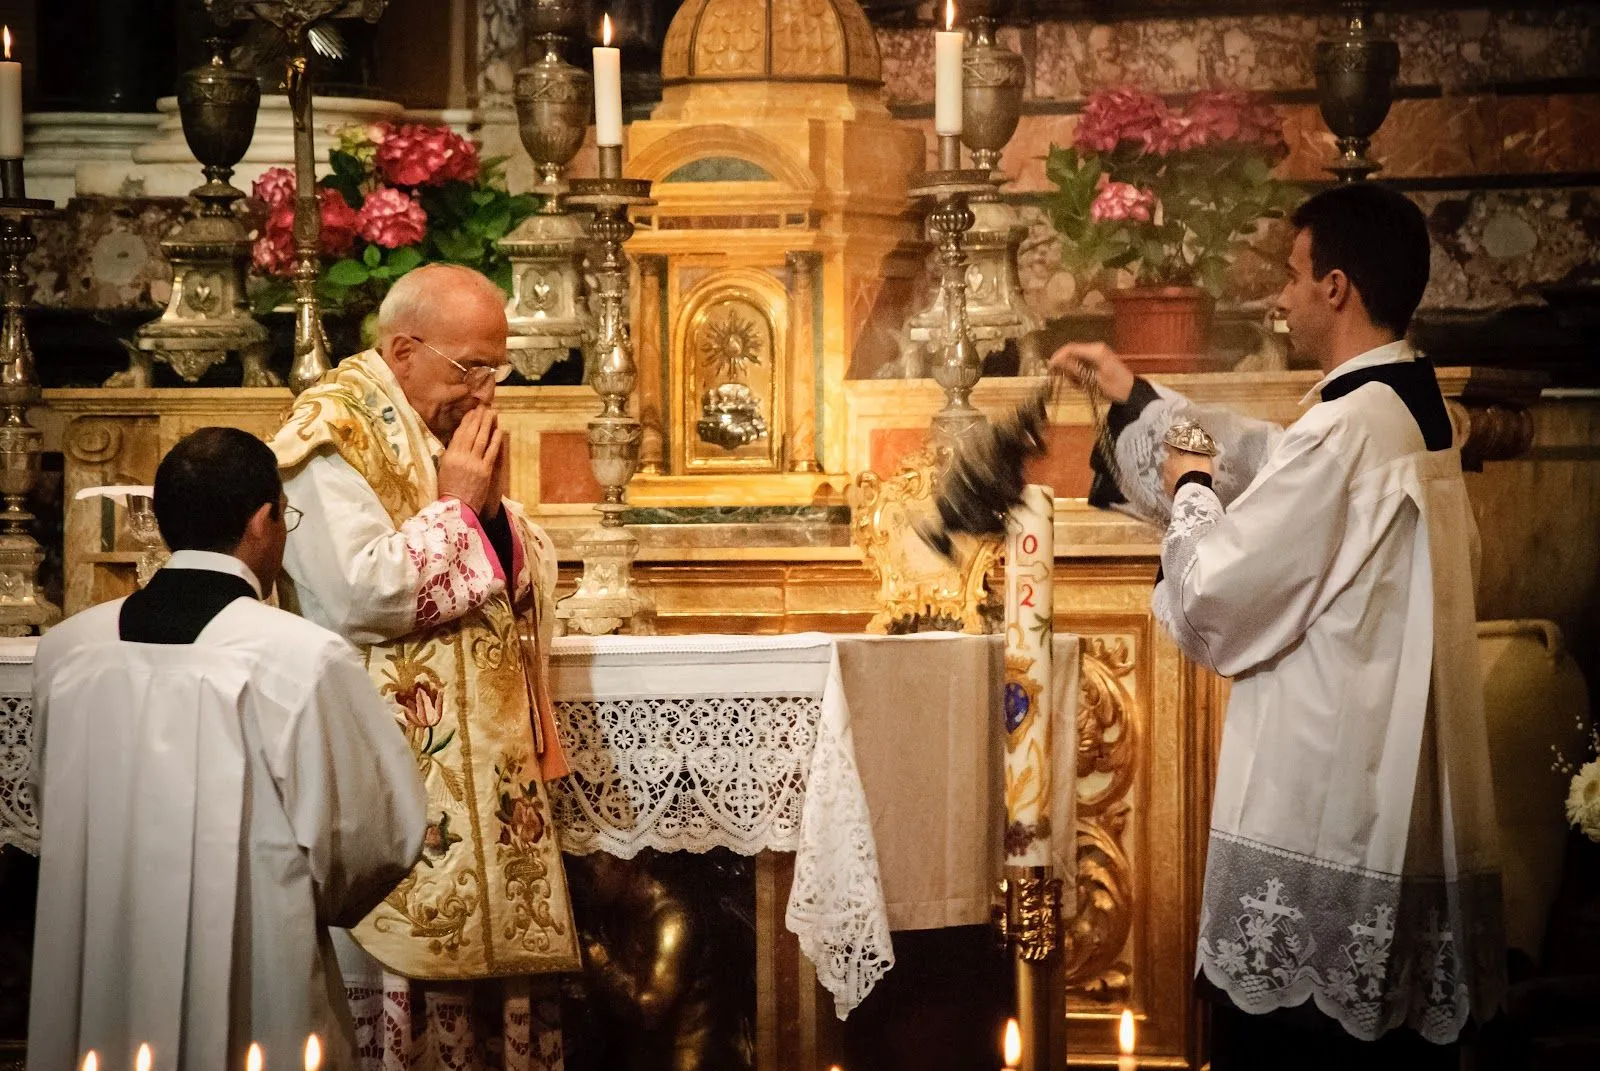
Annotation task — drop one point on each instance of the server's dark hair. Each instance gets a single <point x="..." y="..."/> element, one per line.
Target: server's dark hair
<point x="210" y="485"/>
<point x="1379" y="239"/>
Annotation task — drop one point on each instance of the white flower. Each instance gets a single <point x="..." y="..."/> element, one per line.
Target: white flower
<point x="1583" y="800"/>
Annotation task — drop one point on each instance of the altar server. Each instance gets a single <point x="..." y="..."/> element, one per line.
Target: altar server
<point x="218" y="782"/>
<point x="413" y="551"/>
<point x="1352" y="892"/>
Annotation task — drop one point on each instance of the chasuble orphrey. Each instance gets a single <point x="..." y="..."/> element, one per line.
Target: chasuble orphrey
<point x="456" y="639"/>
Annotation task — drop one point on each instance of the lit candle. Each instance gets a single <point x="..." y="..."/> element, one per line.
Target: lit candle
<point x="947" y="45"/>
<point x="607" y="89"/>
<point x="10" y="104"/>
<point x="143" y="1060"/>
<point x="1011" y="1047"/>
<point x="1126" y="1062"/>
<point x="313" y="1053"/>
<point x="91" y="1061"/>
<point x="252" y="1059"/>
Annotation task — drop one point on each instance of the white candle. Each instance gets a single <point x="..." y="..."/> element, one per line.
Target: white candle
<point x="10" y="104"/>
<point x="1126" y="1061"/>
<point x="607" y="89"/>
<point x="1011" y="1046"/>
<point x="947" y="46"/>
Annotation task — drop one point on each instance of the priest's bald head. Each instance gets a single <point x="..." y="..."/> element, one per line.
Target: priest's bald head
<point x="1357" y="271"/>
<point x="442" y="332"/>
<point x="218" y="490"/>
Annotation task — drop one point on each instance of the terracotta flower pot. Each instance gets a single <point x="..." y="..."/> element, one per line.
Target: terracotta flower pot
<point x="1163" y="328"/>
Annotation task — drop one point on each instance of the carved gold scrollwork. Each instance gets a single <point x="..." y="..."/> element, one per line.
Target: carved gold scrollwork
<point x="1107" y="753"/>
<point x="1034" y="914"/>
<point x="94" y="441"/>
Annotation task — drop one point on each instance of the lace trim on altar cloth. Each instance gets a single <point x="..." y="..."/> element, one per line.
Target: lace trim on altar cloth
<point x="1375" y="951"/>
<point x="19" y="820"/>
<point x="746" y="772"/>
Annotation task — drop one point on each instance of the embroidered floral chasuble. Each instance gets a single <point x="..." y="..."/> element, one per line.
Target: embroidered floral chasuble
<point x="466" y="684"/>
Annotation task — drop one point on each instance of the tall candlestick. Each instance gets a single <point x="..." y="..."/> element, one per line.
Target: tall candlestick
<point x="10" y="104"/>
<point x="947" y="46"/>
<point x="607" y="89"/>
<point x="1127" y="1061"/>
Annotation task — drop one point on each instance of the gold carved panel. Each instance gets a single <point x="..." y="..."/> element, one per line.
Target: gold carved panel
<point x="807" y="39"/>
<point x="731" y="40"/>
<point x="730" y="352"/>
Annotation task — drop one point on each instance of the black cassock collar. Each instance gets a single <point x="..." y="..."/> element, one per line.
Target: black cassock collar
<point x="177" y="605"/>
<point x="1417" y="386"/>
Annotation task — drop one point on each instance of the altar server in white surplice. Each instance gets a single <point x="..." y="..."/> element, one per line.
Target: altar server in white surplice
<point x="218" y="782"/>
<point x="1352" y="892"/>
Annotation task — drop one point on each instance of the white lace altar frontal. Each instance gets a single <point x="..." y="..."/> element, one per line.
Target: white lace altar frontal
<point x="19" y="822"/>
<point x="698" y="742"/>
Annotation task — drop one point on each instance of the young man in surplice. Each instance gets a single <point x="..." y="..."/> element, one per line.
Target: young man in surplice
<point x="218" y="783"/>
<point x="1351" y="916"/>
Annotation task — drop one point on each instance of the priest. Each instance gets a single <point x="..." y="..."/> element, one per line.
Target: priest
<point x="412" y="550"/>
<point x="219" y="782"/>
<point x="1351" y="914"/>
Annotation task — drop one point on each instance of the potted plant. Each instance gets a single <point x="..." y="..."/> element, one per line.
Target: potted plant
<point x="398" y="196"/>
<point x="1166" y="195"/>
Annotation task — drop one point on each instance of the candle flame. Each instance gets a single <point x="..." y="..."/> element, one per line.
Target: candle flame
<point x="949" y="14"/>
<point x="1013" y="1044"/>
<point x="605" y="30"/>
<point x="91" y="1061"/>
<point x="1125" y="1033"/>
<point x="8" y="42"/>
<point x="252" y="1059"/>
<point x="313" y="1053"/>
<point x="143" y="1061"/>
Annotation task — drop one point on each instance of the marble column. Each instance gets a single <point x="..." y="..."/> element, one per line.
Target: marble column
<point x="801" y="448"/>
<point x="652" y="363"/>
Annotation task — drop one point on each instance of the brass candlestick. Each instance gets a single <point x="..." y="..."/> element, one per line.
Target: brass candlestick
<point x="294" y="19"/>
<point x="606" y="599"/>
<point x="23" y="607"/>
<point x="548" y="313"/>
<point x="208" y="315"/>
<point x="1356" y="75"/>
<point x="958" y="365"/>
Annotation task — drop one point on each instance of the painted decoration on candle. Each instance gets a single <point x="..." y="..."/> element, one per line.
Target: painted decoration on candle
<point x="1030" y="632"/>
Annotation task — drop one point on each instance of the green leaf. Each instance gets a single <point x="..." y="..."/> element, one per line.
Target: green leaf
<point x="372" y="256"/>
<point x="405" y="259"/>
<point x="483" y="197"/>
<point x="348" y="272"/>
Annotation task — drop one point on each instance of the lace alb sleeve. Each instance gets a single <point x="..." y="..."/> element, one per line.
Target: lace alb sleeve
<point x="1196" y="510"/>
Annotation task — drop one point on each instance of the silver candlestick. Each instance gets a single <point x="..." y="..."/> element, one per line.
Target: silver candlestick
<point x="958" y="365"/>
<point x="1356" y="74"/>
<point x="606" y="599"/>
<point x="295" y="19"/>
<point x="23" y="607"/>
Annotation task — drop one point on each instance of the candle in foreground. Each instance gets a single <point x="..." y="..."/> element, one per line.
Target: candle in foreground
<point x="1126" y="1061"/>
<point x="91" y="1061"/>
<point x="1011" y="1047"/>
<point x="252" y="1059"/>
<point x="607" y="89"/>
<point x="143" y="1060"/>
<point x="947" y="45"/>
<point x="313" y="1053"/>
<point x="10" y="103"/>
<point x="1029" y="617"/>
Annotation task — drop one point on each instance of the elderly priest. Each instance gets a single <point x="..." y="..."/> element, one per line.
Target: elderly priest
<point x="411" y="549"/>
<point x="220" y="783"/>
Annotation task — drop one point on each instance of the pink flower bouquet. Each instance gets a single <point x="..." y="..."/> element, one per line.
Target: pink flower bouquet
<point x="1165" y="192"/>
<point x="399" y="196"/>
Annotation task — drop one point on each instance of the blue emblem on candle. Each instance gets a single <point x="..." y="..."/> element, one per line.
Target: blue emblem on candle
<point x="1019" y="702"/>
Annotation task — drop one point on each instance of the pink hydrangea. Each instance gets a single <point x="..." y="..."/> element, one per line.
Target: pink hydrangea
<point x="273" y="252"/>
<point x="339" y="222"/>
<point x="412" y="154"/>
<point x="392" y="218"/>
<point x="275" y="187"/>
<point x="1217" y="116"/>
<point x="1122" y="201"/>
<point x="1114" y="117"/>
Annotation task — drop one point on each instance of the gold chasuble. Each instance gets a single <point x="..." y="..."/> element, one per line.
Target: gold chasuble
<point x="466" y="684"/>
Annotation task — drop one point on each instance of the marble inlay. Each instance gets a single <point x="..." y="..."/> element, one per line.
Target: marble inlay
<point x="1453" y="49"/>
<point x="103" y="253"/>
